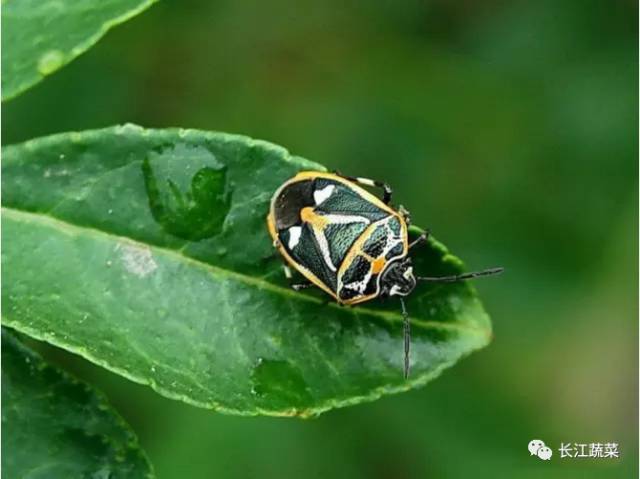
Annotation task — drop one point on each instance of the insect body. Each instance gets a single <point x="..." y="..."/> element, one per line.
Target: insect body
<point x="346" y="241"/>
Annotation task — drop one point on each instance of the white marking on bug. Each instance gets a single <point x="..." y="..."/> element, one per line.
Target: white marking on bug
<point x="356" y="286"/>
<point x="294" y="236"/>
<point x="346" y="219"/>
<point x="321" y="195"/>
<point x="322" y="239"/>
<point x="137" y="260"/>
<point x="392" y="242"/>
<point x="324" y="248"/>
<point x="360" y="286"/>
<point x="395" y="291"/>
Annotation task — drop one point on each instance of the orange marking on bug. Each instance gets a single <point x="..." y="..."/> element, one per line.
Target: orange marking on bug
<point x="378" y="265"/>
<point x="309" y="216"/>
<point x="356" y="249"/>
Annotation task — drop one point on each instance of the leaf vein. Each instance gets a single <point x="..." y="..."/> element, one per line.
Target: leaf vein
<point x="217" y="271"/>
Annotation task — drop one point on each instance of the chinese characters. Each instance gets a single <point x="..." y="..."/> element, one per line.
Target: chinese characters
<point x="591" y="450"/>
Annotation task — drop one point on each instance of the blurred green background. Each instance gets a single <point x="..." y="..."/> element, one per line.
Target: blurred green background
<point x="508" y="128"/>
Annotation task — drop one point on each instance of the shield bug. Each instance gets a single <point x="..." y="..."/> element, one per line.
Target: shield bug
<point x="347" y="241"/>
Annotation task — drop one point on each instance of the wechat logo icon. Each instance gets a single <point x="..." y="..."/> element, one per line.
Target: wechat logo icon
<point x="539" y="448"/>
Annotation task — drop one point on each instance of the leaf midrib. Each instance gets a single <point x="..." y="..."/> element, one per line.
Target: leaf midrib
<point x="74" y="229"/>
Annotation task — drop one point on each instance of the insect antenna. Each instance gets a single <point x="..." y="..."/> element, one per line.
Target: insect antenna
<point x="461" y="277"/>
<point x="407" y="337"/>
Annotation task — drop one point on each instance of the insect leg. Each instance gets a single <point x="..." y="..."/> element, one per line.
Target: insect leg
<point x="461" y="277"/>
<point x="386" y="189"/>
<point x="295" y="286"/>
<point x="406" y="216"/>
<point x="420" y="239"/>
<point x="407" y="338"/>
<point x="287" y="272"/>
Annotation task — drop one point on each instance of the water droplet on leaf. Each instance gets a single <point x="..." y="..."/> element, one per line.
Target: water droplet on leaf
<point x="50" y="62"/>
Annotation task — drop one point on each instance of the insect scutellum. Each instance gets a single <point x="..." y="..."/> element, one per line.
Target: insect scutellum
<point x="348" y="242"/>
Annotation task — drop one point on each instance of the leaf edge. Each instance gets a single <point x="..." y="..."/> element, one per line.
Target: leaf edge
<point x="79" y="49"/>
<point x="102" y="401"/>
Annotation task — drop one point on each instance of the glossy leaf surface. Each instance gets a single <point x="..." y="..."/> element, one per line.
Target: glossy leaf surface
<point x="146" y="251"/>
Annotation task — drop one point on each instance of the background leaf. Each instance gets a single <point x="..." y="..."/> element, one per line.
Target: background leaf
<point x="143" y="251"/>
<point x="39" y="37"/>
<point x="56" y="427"/>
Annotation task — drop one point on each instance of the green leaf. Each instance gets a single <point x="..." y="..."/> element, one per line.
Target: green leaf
<point x="144" y="251"/>
<point x="54" y="426"/>
<point x="39" y="37"/>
